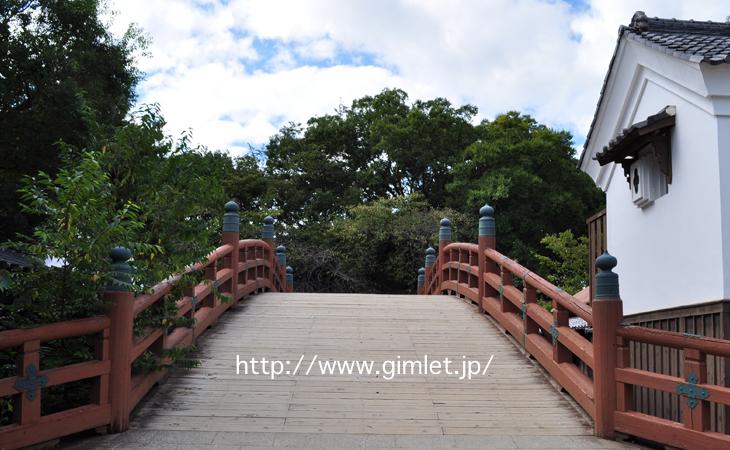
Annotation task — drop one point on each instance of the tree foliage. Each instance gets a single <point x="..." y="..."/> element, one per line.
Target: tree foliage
<point x="63" y="78"/>
<point x="176" y="187"/>
<point x="565" y="261"/>
<point x="69" y="249"/>
<point x="377" y="247"/>
<point x="340" y="171"/>
<point x="528" y="172"/>
<point x="159" y="197"/>
<point x="379" y="147"/>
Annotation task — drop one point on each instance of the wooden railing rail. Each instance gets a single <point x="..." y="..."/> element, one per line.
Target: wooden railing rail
<point x="694" y="389"/>
<point x="26" y="387"/>
<point x="540" y="284"/>
<point x="236" y="269"/>
<point x="595" y="369"/>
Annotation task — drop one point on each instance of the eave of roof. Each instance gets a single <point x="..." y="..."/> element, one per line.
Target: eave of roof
<point x="630" y="139"/>
<point x="9" y="258"/>
<point x="699" y="42"/>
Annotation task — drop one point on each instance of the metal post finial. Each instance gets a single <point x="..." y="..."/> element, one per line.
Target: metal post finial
<point x="486" y="221"/>
<point x="606" y="279"/>
<point x="430" y="256"/>
<point x="120" y="274"/>
<point x="281" y="255"/>
<point x="267" y="231"/>
<point x="290" y="277"/>
<point x="445" y="230"/>
<point x="231" y="218"/>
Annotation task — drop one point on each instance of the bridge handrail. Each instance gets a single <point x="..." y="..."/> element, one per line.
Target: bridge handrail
<point x="235" y="269"/>
<point x="485" y="277"/>
<point x="545" y="287"/>
<point x="52" y="331"/>
<point x="604" y="384"/>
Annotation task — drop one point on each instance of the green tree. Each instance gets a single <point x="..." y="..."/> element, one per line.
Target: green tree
<point x="63" y="77"/>
<point x="159" y="197"/>
<point x="70" y="247"/>
<point x="377" y="247"/>
<point x="378" y="147"/>
<point x="566" y="260"/>
<point x="177" y="187"/>
<point x="528" y="172"/>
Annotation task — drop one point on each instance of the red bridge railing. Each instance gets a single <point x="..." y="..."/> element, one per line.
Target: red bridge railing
<point x="236" y="269"/>
<point x="594" y="368"/>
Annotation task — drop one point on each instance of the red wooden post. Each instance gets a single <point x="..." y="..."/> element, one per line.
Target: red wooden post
<point x="607" y="316"/>
<point x="281" y="266"/>
<point x="267" y="235"/>
<point x="443" y="258"/>
<point x="120" y="299"/>
<point x="421" y="280"/>
<point x="695" y="410"/>
<point x="231" y="236"/>
<point x="487" y="239"/>
<point x="289" y="279"/>
<point x="430" y="261"/>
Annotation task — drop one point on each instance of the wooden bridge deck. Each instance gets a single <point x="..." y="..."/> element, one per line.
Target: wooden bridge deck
<point x="513" y="406"/>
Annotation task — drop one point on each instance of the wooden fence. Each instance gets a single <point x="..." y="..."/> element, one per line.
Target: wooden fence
<point x="597" y="244"/>
<point x="236" y="269"/>
<point x="482" y="275"/>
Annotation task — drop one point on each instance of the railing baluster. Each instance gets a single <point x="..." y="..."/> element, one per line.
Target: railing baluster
<point x="505" y="279"/>
<point x="529" y="298"/>
<point x="624" y="392"/>
<point x="560" y="319"/>
<point x="695" y="410"/>
<point x="29" y="366"/>
<point x="100" y="387"/>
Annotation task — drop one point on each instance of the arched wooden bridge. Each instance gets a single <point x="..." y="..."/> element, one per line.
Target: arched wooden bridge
<point x="540" y="383"/>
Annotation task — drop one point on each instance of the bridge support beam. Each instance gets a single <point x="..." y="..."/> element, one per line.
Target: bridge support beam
<point x="607" y="316"/>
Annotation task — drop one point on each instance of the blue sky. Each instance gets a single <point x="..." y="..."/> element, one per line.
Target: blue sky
<point x="234" y="71"/>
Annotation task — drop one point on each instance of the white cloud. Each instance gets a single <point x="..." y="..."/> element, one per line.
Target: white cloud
<point x="543" y="57"/>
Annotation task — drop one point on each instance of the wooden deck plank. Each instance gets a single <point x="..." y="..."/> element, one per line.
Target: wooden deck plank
<point x="513" y="398"/>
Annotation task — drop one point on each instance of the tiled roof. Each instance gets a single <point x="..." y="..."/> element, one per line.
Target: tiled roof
<point x="694" y="41"/>
<point x="699" y="42"/>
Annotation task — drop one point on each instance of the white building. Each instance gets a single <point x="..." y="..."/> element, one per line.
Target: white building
<point x="659" y="147"/>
